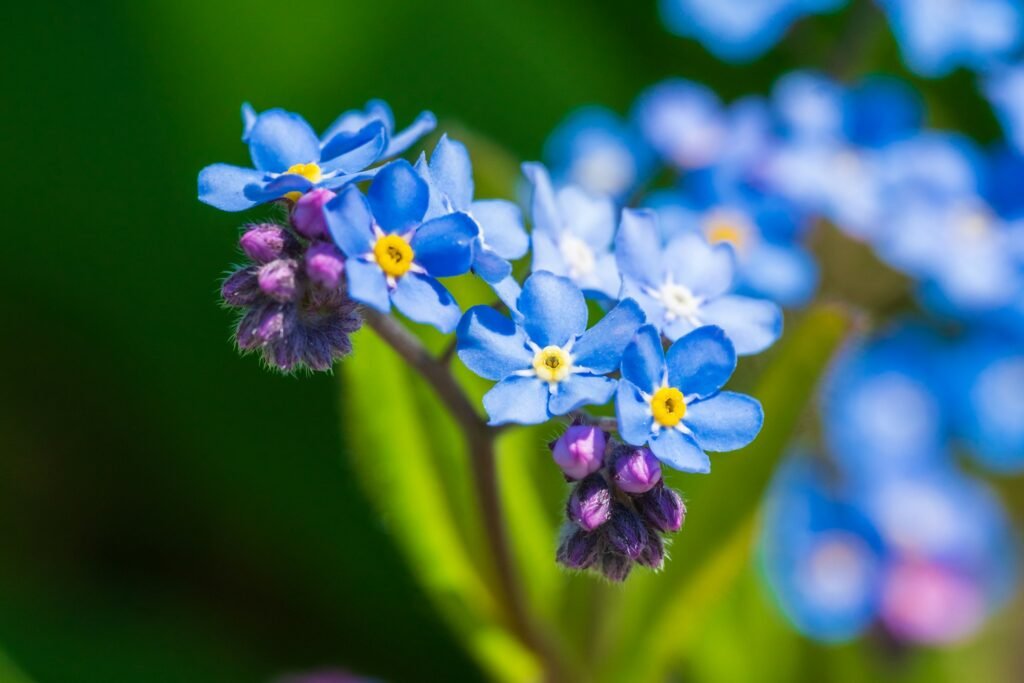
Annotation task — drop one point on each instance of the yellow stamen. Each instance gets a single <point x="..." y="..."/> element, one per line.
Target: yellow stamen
<point x="393" y="254"/>
<point x="725" y="232"/>
<point x="668" y="406"/>
<point x="310" y="172"/>
<point x="552" y="364"/>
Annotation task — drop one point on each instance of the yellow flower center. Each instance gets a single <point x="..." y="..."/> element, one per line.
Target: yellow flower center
<point x="728" y="226"/>
<point x="724" y="232"/>
<point x="552" y="364"/>
<point x="393" y="254"/>
<point x="668" y="406"/>
<point x="310" y="172"/>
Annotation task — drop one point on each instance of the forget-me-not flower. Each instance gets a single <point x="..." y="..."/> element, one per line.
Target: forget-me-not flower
<point x="673" y="400"/>
<point x="685" y="283"/>
<point x="547" y="362"/>
<point x="290" y="159"/>
<point x="392" y="255"/>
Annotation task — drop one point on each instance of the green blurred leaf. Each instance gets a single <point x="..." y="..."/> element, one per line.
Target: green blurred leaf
<point x="658" y="611"/>
<point x="9" y="672"/>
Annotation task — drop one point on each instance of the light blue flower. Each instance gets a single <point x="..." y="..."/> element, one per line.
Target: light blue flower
<point x="572" y="234"/>
<point x="502" y="236"/>
<point x="937" y="36"/>
<point x="673" y="401"/>
<point x="684" y="283"/>
<point x="683" y="122"/>
<point x="547" y="362"/>
<point x="596" y="150"/>
<point x="290" y="159"/>
<point x="1004" y="88"/>
<point x="392" y="256"/>
<point x="738" y="30"/>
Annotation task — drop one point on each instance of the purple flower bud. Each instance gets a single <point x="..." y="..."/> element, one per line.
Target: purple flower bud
<point x="267" y="242"/>
<point x="626" y="532"/>
<point x="324" y="264"/>
<point x="653" y="554"/>
<point x="277" y="279"/>
<point x="308" y="214"/>
<point x="578" y="550"/>
<point x="241" y="288"/>
<point x="580" y="450"/>
<point x="616" y="567"/>
<point x="662" y="508"/>
<point x="590" y="503"/>
<point x="637" y="470"/>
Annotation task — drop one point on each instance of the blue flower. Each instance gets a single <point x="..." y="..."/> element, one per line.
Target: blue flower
<point x="1004" y="88"/>
<point x="290" y="159"/>
<point x="938" y="36"/>
<point x="683" y="122"/>
<point x="683" y="284"/>
<point x="738" y="30"/>
<point x="547" y="363"/>
<point x="572" y="234"/>
<point x="596" y="150"/>
<point x="502" y="237"/>
<point x="393" y="257"/>
<point x="673" y="401"/>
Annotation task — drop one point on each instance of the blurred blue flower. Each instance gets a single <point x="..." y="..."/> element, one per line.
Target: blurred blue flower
<point x="937" y="36"/>
<point x="547" y="362"/>
<point x="683" y="284"/>
<point x="683" y="122"/>
<point x="1004" y="88"/>
<point x="502" y="237"/>
<point x="290" y="159"/>
<point x="673" y="400"/>
<point x="738" y="30"/>
<point x="598" y="151"/>
<point x="392" y="256"/>
<point x="572" y="234"/>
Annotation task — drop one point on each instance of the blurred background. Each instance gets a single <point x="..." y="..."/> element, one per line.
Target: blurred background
<point x="171" y="512"/>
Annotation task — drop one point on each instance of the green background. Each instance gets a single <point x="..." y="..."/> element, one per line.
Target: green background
<point x="169" y="511"/>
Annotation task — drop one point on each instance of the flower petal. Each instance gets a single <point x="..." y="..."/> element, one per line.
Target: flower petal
<point x="590" y="218"/>
<point x="543" y="207"/>
<point x="680" y="452"/>
<point x="489" y="266"/>
<point x="724" y="422"/>
<point x="248" y="120"/>
<point x="352" y="152"/>
<point x="638" y="248"/>
<point x="707" y="271"/>
<point x="643" y="361"/>
<point x="553" y="309"/>
<point x="501" y="224"/>
<point x="752" y="325"/>
<point x="581" y="390"/>
<point x="355" y="120"/>
<point x="508" y="290"/>
<point x="701" y="362"/>
<point x="231" y="188"/>
<point x="633" y="413"/>
<point x="600" y="348"/>
<point x="522" y="400"/>
<point x="280" y="139"/>
<point x="350" y="223"/>
<point x="425" y="300"/>
<point x="452" y="172"/>
<point x="491" y="345"/>
<point x="398" y="197"/>
<point x="444" y="246"/>
<point x="367" y="284"/>
<point x="402" y="140"/>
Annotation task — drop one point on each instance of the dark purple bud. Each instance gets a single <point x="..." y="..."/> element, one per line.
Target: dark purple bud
<point x="615" y="567"/>
<point x="580" y="451"/>
<point x="626" y="532"/>
<point x="578" y="550"/>
<point x="637" y="470"/>
<point x="663" y="509"/>
<point x="590" y="503"/>
<point x="308" y="214"/>
<point x="267" y="242"/>
<point x="241" y="288"/>
<point x="277" y="279"/>
<point x="653" y="554"/>
<point x="324" y="264"/>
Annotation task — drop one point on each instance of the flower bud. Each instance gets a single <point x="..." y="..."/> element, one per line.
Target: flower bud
<point x="637" y="470"/>
<point x="615" y="567"/>
<point x="662" y="508"/>
<point x="653" y="554"/>
<point x="241" y="288"/>
<point x="308" y="214"/>
<point x="626" y="532"/>
<point x="267" y="242"/>
<point x="578" y="550"/>
<point x="590" y="503"/>
<point x="580" y="450"/>
<point x="324" y="264"/>
<point x="277" y="279"/>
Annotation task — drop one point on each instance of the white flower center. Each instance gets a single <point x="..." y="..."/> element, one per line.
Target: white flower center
<point x="679" y="302"/>
<point x="578" y="256"/>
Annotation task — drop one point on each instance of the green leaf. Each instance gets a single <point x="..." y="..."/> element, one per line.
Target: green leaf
<point x="9" y="672"/>
<point x="657" y="610"/>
